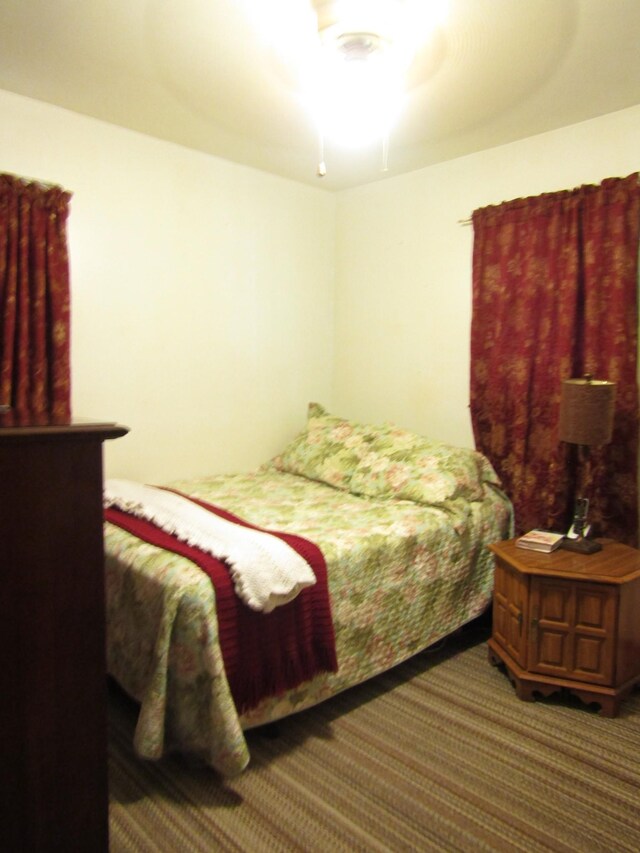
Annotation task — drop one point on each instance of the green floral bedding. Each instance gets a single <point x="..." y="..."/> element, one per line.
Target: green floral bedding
<point x="403" y="522"/>
<point x="403" y="573"/>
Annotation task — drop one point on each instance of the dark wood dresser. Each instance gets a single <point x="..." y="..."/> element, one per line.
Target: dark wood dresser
<point x="53" y="695"/>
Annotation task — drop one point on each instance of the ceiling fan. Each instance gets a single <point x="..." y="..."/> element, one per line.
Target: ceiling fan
<point x="356" y="83"/>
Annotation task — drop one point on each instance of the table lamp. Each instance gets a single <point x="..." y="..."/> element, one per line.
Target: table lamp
<point x="587" y="408"/>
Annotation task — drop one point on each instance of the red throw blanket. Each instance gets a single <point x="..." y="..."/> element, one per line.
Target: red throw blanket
<point x="264" y="653"/>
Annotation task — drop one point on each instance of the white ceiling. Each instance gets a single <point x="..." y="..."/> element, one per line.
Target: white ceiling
<point x="220" y="76"/>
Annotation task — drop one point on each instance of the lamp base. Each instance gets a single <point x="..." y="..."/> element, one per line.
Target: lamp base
<point x="581" y="545"/>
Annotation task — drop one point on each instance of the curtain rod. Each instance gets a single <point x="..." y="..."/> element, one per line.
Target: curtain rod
<point x="469" y="221"/>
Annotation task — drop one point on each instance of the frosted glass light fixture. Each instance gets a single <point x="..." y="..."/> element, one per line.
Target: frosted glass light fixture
<point x="355" y="82"/>
<point x="358" y="92"/>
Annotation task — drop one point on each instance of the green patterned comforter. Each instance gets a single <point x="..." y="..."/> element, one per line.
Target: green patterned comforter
<point x="402" y="575"/>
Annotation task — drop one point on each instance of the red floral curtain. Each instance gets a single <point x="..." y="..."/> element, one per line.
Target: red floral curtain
<point x="35" y="384"/>
<point x="555" y="296"/>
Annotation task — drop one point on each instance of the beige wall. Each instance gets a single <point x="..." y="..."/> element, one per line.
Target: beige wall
<point x="211" y="302"/>
<point x="202" y="292"/>
<point x="403" y="267"/>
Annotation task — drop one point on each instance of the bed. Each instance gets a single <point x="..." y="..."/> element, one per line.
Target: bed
<point x="402" y="523"/>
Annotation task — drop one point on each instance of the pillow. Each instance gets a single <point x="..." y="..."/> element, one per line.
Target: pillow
<point x="406" y="466"/>
<point x="329" y="450"/>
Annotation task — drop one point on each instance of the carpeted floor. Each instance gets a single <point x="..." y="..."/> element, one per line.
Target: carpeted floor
<point x="438" y="754"/>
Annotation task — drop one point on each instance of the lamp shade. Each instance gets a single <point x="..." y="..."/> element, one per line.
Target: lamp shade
<point x="586" y="411"/>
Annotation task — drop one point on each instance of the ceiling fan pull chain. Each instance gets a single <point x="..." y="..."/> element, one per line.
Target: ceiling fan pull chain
<point x="322" y="168"/>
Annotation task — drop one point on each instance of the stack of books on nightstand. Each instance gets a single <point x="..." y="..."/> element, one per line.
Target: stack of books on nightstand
<point x="540" y="540"/>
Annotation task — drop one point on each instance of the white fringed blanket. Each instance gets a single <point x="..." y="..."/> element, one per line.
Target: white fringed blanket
<point x="266" y="571"/>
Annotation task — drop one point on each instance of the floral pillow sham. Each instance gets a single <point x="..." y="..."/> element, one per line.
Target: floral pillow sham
<point x="329" y="450"/>
<point x="384" y="461"/>
<point x="406" y="466"/>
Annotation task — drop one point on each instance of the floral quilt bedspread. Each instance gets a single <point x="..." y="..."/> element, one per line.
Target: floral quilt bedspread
<point x="425" y="570"/>
<point x="402" y="575"/>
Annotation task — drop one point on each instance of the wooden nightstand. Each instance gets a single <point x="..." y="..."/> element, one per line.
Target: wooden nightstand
<point x="566" y="621"/>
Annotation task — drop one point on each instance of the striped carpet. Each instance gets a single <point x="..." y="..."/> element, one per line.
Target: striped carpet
<point x="438" y="754"/>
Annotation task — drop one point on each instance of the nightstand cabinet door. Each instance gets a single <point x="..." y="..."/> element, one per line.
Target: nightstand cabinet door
<point x="510" y="617"/>
<point x="573" y="629"/>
